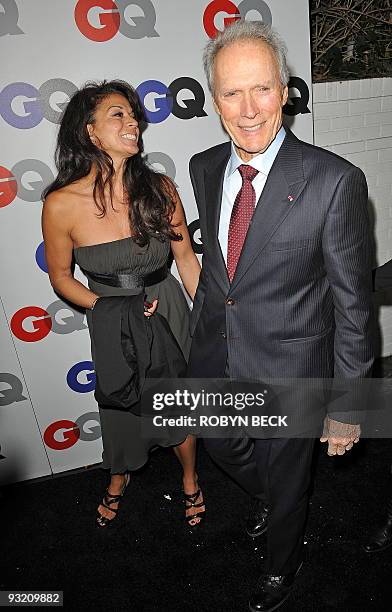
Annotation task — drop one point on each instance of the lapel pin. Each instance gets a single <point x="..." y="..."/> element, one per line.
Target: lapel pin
<point x="290" y="198"/>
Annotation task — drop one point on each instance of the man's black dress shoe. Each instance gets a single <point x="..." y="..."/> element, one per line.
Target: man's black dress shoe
<point x="257" y="522"/>
<point x="382" y="538"/>
<point x="272" y="592"/>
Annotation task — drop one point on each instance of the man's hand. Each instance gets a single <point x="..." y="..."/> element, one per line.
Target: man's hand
<point x="340" y="436"/>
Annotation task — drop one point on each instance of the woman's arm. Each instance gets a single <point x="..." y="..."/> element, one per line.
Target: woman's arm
<point x="56" y="228"/>
<point x="187" y="263"/>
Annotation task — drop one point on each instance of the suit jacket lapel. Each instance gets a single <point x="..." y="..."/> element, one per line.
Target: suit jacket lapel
<point x="213" y="197"/>
<point x="284" y="184"/>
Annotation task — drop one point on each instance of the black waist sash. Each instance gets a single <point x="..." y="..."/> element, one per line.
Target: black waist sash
<point x="129" y="280"/>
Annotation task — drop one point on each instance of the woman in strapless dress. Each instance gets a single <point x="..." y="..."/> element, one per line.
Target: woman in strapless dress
<point x="113" y="215"/>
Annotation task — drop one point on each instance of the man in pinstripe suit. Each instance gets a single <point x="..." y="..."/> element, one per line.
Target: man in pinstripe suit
<point x="289" y="295"/>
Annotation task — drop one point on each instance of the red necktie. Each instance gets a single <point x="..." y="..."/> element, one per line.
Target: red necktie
<point x="243" y="209"/>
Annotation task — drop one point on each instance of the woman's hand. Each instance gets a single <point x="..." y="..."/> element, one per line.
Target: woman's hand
<point x="150" y="308"/>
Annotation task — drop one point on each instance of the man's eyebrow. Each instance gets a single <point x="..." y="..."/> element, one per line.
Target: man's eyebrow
<point x="267" y="83"/>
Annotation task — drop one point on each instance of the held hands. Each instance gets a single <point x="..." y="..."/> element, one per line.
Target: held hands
<point x="150" y="308"/>
<point x="340" y="436"/>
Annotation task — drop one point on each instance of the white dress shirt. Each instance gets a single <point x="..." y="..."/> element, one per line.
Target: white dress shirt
<point x="232" y="183"/>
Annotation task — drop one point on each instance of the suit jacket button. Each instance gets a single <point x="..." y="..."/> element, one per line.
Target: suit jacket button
<point x="230" y="301"/>
<point x="223" y="334"/>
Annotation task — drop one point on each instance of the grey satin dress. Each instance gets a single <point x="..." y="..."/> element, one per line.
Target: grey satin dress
<point x="125" y="445"/>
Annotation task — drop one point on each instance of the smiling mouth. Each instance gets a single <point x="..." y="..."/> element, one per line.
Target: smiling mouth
<point x="129" y="136"/>
<point x="252" y="128"/>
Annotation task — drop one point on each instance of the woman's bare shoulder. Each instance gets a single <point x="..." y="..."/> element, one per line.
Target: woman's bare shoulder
<point x="66" y="199"/>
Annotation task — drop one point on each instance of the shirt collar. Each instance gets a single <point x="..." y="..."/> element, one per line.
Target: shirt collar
<point x="261" y="162"/>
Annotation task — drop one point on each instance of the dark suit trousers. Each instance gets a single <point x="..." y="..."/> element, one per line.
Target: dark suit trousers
<point x="278" y="471"/>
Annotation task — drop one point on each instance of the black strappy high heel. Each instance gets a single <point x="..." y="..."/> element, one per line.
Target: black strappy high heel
<point x="190" y="502"/>
<point x="104" y="521"/>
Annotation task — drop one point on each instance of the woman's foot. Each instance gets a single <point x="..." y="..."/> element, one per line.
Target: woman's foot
<point x="107" y="510"/>
<point x="194" y="502"/>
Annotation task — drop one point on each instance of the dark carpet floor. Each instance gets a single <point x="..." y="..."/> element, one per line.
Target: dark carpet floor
<point x="149" y="560"/>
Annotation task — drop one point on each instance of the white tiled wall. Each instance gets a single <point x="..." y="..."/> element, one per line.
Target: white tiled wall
<point x="354" y="119"/>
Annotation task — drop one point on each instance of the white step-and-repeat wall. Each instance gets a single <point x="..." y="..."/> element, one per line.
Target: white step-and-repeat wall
<point x="48" y="417"/>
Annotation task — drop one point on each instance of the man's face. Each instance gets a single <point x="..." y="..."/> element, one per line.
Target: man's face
<point x="248" y="95"/>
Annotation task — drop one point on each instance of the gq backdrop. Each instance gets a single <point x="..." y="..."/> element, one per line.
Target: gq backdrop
<point x="48" y="416"/>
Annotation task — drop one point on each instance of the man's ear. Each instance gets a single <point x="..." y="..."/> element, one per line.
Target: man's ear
<point x="216" y="106"/>
<point x="285" y="95"/>
<point x="90" y="129"/>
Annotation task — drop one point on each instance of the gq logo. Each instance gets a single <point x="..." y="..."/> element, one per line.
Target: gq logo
<point x="78" y="383"/>
<point x="22" y="181"/>
<point x="100" y="20"/>
<point x="63" y="434"/>
<point x="40" y="257"/>
<point x="9" y="18"/>
<point x="297" y="104"/>
<point x="39" y="326"/>
<point x="11" y="389"/>
<point x="23" y="106"/>
<point x="162" y="163"/>
<point x="32" y="323"/>
<point x="236" y="12"/>
<point x="165" y="99"/>
<point x="195" y="236"/>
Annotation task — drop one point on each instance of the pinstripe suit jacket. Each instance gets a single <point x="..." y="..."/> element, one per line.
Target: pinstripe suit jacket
<point x="300" y="301"/>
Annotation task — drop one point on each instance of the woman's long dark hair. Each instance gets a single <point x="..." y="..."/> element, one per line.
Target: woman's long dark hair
<point x="151" y="206"/>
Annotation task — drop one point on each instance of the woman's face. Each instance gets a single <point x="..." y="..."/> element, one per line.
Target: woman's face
<point x="115" y="129"/>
